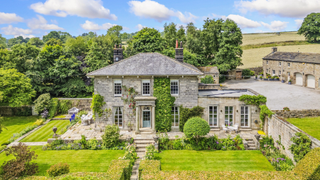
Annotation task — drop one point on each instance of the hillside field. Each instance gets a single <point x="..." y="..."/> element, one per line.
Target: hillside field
<point x="260" y="38"/>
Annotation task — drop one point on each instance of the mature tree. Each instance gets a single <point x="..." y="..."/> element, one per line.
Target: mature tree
<point x="5" y="61"/>
<point x="170" y="34"/>
<point x="36" y="42"/>
<point x="115" y="30"/>
<point x="100" y="52"/>
<point x="146" y="40"/>
<point x="64" y="36"/>
<point x="230" y="52"/>
<point x="22" y="55"/>
<point x="310" y="27"/>
<point x="12" y="42"/>
<point x="52" y="34"/>
<point x="194" y="43"/>
<point x="211" y="35"/>
<point x="124" y="36"/>
<point x="181" y="34"/>
<point x="15" y="88"/>
<point x="3" y="42"/>
<point x="76" y="47"/>
<point x="53" y="42"/>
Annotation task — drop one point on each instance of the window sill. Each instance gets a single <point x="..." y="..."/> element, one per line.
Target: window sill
<point x="176" y="95"/>
<point x="118" y="95"/>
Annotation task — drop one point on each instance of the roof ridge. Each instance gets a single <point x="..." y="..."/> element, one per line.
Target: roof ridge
<point x="174" y="60"/>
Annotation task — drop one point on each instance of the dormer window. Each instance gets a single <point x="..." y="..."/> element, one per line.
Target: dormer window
<point x="174" y="86"/>
<point x="117" y="87"/>
<point x="146" y="87"/>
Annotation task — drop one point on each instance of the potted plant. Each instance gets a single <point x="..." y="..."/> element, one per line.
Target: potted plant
<point x="282" y="81"/>
<point x="290" y="81"/>
<point x="260" y="77"/>
<point x="256" y="77"/>
<point x="276" y="78"/>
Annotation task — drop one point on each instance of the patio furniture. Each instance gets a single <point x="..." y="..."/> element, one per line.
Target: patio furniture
<point x="225" y="128"/>
<point x="234" y="128"/>
<point x="73" y="110"/>
<point x="86" y="119"/>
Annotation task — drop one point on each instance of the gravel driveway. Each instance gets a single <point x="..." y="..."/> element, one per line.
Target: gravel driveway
<point x="281" y="95"/>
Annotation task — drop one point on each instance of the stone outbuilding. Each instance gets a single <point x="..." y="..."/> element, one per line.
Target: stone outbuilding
<point x="211" y="71"/>
<point x="302" y="69"/>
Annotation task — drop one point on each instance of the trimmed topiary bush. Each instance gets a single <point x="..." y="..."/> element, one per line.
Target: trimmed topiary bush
<point x="58" y="169"/>
<point x="43" y="102"/>
<point x="195" y="128"/>
<point x="309" y="166"/>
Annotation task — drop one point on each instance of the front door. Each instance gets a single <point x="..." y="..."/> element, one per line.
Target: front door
<point x="146" y="117"/>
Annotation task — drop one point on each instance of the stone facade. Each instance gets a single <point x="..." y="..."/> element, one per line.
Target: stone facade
<point x="188" y="93"/>
<point x="221" y="102"/>
<point x="277" y="126"/>
<point x="288" y="70"/>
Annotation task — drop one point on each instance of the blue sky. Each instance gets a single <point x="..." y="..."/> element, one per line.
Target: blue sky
<point x="35" y="18"/>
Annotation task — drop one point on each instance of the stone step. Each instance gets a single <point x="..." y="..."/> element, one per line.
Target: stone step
<point x="250" y="142"/>
<point x="134" y="177"/>
<point x="144" y="142"/>
<point x="142" y="145"/>
<point x="252" y="148"/>
<point x="251" y="145"/>
<point x="142" y="150"/>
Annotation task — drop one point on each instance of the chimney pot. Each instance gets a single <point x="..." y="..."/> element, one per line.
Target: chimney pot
<point x="179" y="52"/>
<point x="117" y="53"/>
<point x="177" y="43"/>
<point x="274" y="49"/>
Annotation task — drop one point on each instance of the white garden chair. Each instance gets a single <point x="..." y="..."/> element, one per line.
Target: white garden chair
<point x="224" y="128"/>
<point x="235" y="128"/>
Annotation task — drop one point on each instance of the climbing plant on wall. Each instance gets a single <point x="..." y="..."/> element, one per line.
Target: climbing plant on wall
<point x="264" y="111"/>
<point x="128" y="98"/>
<point x="97" y="104"/>
<point x="253" y="99"/>
<point x="187" y="113"/>
<point x="164" y="103"/>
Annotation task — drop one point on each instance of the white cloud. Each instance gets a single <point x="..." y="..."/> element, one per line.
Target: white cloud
<point x="41" y="23"/>
<point x="10" y="30"/>
<point x="154" y="10"/>
<point x="139" y="26"/>
<point x="82" y="8"/>
<point x="275" y="25"/>
<point x="91" y="26"/>
<point x="244" y="22"/>
<point x="285" y="8"/>
<point x="7" y="18"/>
<point x="299" y="22"/>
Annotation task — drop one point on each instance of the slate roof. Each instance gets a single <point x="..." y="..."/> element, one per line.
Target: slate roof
<point x="147" y="64"/>
<point x="313" y="58"/>
<point x="209" y="70"/>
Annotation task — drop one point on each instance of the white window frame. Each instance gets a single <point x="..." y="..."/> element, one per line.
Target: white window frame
<point x="212" y="114"/>
<point x="117" y="81"/>
<point x="279" y="63"/>
<point x="174" y="116"/>
<point x="228" y="114"/>
<point x="267" y="62"/>
<point x="273" y="72"/>
<point x="143" y="82"/>
<point x="245" y="114"/>
<point x="171" y="81"/>
<point x="289" y="64"/>
<point x="118" y="116"/>
<point x="279" y="72"/>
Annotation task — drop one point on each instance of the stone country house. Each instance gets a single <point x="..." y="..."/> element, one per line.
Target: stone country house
<point x="301" y="68"/>
<point x="221" y="106"/>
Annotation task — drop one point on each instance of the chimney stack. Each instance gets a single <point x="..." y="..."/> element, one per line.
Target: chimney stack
<point x="179" y="51"/>
<point x="274" y="49"/>
<point x="117" y="53"/>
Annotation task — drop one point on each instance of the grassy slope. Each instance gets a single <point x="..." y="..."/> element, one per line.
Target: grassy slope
<point x="214" y="161"/>
<point x="45" y="132"/>
<point x="253" y="57"/>
<point x="259" y="38"/>
<point x="309" y="125"/>
<point x="15" y="125"/>
<point x="79" y="161"/>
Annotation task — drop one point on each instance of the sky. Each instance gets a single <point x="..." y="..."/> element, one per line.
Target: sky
<point x="35" y="18"/>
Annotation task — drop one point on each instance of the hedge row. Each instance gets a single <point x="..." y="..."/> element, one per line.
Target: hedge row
<point x="307" y="169"/>
<point x="309" y="166"/>
<point x="118" y="170"/>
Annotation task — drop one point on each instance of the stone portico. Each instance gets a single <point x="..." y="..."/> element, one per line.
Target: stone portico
<point x="145" y="113"/>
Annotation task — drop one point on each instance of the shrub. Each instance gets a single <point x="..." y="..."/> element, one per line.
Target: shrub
<point x="119" y="169"/>
<point x="21" y="165"/>
<point x="253" y="99"/>
<point x="196" y="127"/>
<point x="246" y="73"/>
<point x="58" y="169"/>
<point x="301" y="146"/>
<point x="2" y="147"/>
<point x="252" y="73"/>
<point x="38" y="122"/>
<point x="309" y="166"/>
<point x="186" y="113"/>
<point x="97" y="104"/>
<point x="42" y="103"/>
<point x="54" y="107"/>
<point x="111" y="137"/>
<point x="64" y="106"/>
<point x="83" y="141"/>
<point x="207" y="80"/>
<point x="150" y="152"/>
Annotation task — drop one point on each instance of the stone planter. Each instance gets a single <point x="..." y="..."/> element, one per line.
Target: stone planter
<point x="265" y="79"/>
<point x="289" y="83"/>
<point x="282" y="81"/>
<point x="277" y="79"/>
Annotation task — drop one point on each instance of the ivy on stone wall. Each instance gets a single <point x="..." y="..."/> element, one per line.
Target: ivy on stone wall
<point x="264" y="111"/>
<point x="253" y="99"/>
<point x="164" y="103"/>
<point x="97" y="104"/>
<point x="187" y="113"/>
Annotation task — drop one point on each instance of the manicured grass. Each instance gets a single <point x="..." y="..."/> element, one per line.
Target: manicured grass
<point x="15" y="125"/>
<point x="214" y="161"/>
<point x="45" y="132"/>
<point x="79" y="161"/>
<point x="310" y="125"/>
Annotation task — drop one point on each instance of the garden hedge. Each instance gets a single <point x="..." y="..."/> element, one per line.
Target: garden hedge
<point x="119" y="169"/>
<point x="309" y="167"/>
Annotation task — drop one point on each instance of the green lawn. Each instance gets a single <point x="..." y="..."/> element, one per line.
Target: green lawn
<point x="214" y="161"/>
<point x="45" y="132"/>
<point x="15" y="125"/>
<point x="79" y="161"/>
<point x="310" y="125"/>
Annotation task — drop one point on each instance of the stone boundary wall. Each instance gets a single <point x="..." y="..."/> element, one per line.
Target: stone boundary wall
<point x="11" y="111"/>
<point x="279" y="126"/>
<point x="256" y="70"/>
<point x="80" y="103"/>
<point x="298" y="113"/>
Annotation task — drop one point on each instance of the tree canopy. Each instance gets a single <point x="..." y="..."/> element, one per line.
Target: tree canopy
<point x="310" y="27"/>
